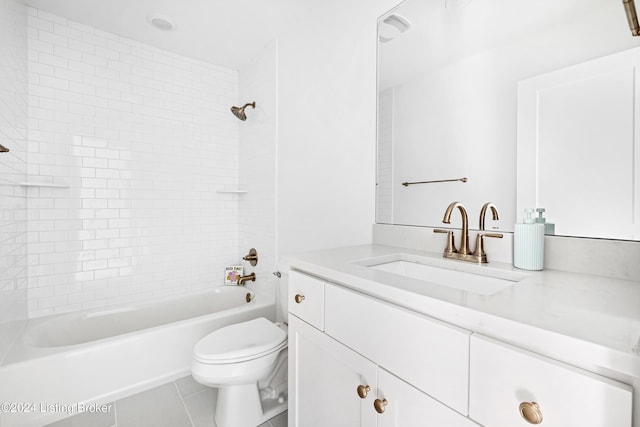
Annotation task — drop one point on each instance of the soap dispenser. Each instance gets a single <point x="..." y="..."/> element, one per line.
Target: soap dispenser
<point x="549" y="228"/>
<point x="528" y="243"/>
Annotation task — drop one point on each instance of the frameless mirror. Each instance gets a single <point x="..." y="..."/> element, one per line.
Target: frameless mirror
<point x="448" y="75"/>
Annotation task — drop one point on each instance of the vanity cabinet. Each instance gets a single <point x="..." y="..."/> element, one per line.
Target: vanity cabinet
<point x="355" y="360"/>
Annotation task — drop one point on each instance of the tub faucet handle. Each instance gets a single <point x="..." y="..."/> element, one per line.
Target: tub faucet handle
<point x="252" y="257"/>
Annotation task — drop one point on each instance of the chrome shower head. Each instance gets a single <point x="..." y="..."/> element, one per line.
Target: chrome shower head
<point x="239" y="111"/>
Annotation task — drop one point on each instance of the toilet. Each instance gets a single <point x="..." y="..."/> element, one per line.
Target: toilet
<point x="247" y="362"/>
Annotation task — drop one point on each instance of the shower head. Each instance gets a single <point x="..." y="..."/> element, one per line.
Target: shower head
<point x="239" y="111"/>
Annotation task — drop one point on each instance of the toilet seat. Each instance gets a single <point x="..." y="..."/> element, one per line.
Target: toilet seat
<point x="240" y="342"/>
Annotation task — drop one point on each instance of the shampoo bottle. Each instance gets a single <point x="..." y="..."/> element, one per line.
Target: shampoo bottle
<point x="528" y="243"/>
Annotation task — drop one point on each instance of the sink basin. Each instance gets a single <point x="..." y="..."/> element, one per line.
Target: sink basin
<point x="477" y="279"/>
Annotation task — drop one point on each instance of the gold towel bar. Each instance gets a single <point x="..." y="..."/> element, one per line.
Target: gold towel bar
<point x="406" y="184"/>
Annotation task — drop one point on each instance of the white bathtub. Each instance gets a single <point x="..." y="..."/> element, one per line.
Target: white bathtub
<point x="97" y="357"/>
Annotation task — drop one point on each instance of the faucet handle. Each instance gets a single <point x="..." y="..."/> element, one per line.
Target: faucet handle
<point x="479" y="253"/>
<point x="494" y="235"/>
<point x="451" y="246"/>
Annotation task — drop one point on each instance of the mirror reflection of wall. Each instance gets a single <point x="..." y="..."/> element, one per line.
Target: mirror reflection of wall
<point x="448" y="96"/>
<point x="585" y="115"/>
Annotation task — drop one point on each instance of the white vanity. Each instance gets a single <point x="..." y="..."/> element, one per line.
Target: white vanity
<point x="370" y="347"/>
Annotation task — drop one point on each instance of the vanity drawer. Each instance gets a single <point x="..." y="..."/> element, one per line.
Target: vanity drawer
<point x="429" y="354"/>
<point x="306" y="298"/>
<point x="506" y="380"/>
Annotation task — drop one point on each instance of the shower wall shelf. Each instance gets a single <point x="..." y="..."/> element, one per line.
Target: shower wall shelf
<point x="43" y="184"/>
<point x="236" y="191"/>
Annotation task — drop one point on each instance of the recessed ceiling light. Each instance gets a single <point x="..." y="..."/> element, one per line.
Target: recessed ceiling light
<point x="162" y="22"/>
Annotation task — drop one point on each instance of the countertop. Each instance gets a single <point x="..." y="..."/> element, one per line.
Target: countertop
<point x="588" y="321"/>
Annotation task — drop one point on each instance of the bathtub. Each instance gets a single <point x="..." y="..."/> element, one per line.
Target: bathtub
<point x="95" y="357"/>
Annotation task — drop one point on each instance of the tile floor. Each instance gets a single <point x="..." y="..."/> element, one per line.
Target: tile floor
<point x="182" y="403"/>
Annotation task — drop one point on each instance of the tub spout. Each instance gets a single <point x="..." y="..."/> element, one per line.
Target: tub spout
<point x="246" y="278"/>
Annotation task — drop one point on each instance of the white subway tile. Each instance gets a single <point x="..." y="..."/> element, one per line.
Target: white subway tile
<point x="82" y="67"/>
<point x="48" y="58"/>
<point x="41" y="46"/>
<point x="39" y="23"/>
<point x="52" y="38"/>
<point x="94" y="60"/>
<point x="67" y="31"/>
<point x="154" y="139"/>
<point x="94" y="265"/>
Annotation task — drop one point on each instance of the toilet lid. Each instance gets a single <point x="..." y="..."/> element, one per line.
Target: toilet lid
<point x="241" y="341"/>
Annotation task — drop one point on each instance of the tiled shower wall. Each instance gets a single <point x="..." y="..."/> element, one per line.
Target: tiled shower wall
<point x="258" y="165"/>
<point x="13" y="166"/>
<point x="136" y="141"/>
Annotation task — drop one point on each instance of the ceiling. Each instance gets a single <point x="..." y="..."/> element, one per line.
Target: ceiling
<point x="227" y="33"/>
<point x="444" y="35"/>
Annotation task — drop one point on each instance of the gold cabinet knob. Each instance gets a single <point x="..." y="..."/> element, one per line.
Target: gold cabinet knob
<point x="380" y="405"/>
<point x="299" y="298"/>
<point x="363" y="390"/>
<point x="531" y="412"/>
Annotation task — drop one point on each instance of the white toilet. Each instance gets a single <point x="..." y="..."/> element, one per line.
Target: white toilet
<point x="247" y="362"/>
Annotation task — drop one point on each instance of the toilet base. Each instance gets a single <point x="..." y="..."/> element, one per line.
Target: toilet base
<point x="240" y="406"/>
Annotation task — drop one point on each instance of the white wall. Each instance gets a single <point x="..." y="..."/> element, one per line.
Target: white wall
<point x="143" y="138"/>
<point x="327" y="126"/>
<point x="13" y="166"/>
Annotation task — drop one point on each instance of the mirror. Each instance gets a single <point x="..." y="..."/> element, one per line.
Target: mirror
<point x="448" y="74"/>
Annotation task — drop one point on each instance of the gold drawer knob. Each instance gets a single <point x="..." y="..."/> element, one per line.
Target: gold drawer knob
<point x="363" y="390"/>
<point x="299" y="298"/>
<point x="531" y="412"/>
<point x="380" y="405"/>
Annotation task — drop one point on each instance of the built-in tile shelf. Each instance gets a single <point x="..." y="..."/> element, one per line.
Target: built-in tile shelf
<point x="43" y="184"/>
<point x="236" y="191"/>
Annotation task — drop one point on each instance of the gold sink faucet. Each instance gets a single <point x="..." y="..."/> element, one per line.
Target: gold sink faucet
<point x="464" y="253"/>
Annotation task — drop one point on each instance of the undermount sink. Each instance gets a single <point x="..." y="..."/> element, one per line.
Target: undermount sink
<point x="477" y="279"/>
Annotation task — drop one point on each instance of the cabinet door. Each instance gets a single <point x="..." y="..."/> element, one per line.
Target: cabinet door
<point x="324" y="377"/>
<point x="511" y="387"/>
<point x="406" y="406"/>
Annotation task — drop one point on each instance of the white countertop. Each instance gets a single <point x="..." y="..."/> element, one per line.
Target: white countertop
<point x="589" y="321"/>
